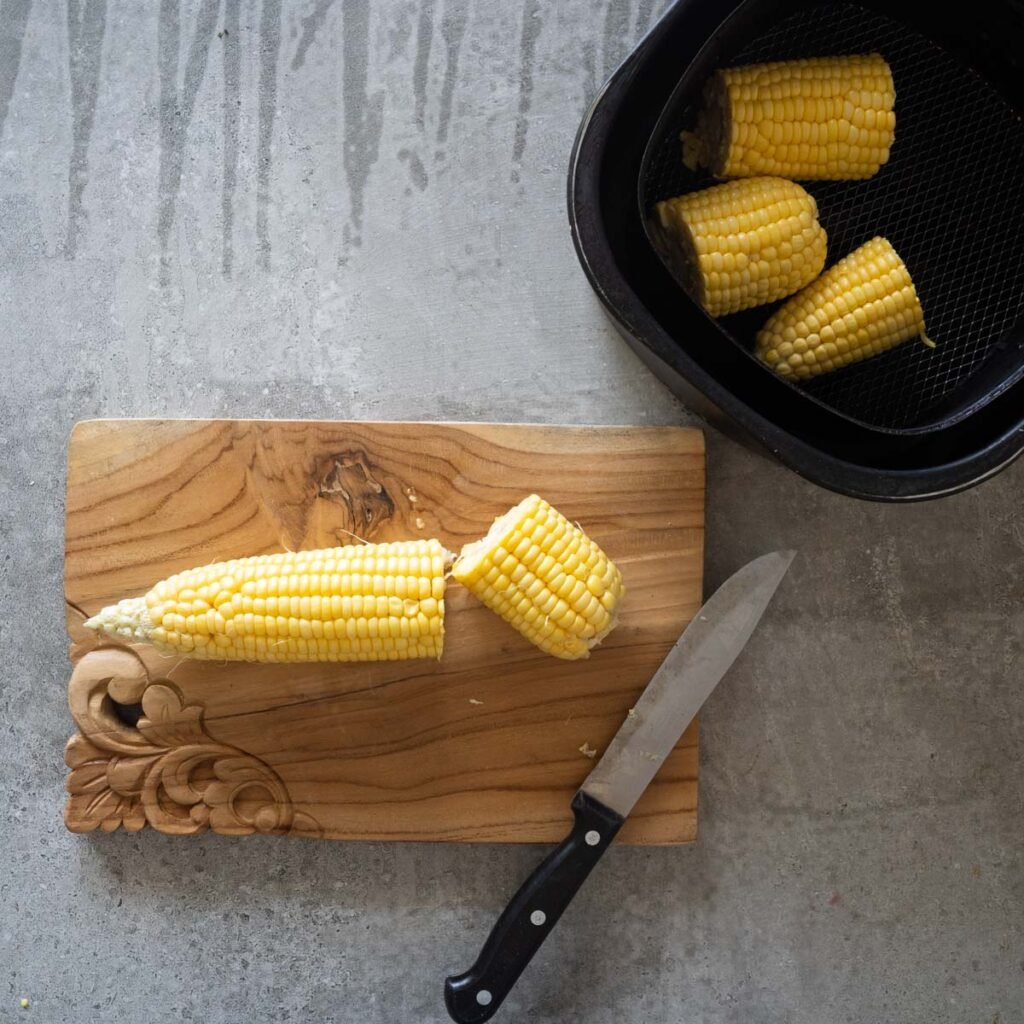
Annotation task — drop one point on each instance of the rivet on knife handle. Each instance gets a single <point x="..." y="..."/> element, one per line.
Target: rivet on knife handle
<point x="475" y="996"/>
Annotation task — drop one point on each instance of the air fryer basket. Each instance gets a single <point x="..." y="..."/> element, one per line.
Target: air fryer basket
<point x="950" y="200"/>
<point x="904" y="426"/>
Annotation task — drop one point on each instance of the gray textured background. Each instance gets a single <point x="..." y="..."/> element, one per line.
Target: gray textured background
<point x="319" y="208"/>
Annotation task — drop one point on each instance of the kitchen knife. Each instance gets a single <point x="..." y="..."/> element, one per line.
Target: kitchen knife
<point x="699" y="659"/>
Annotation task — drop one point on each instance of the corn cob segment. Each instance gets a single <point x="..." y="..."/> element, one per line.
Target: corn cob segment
<point x="375" y="602"/>
<point x="862" y="306"/>
<point x="545" y="577"/>
<point x="823" y="118"/>
<point x="742" y="244"/>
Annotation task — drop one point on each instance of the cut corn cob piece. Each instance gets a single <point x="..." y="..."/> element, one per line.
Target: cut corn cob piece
<point x="545" y="577"/>
<point x="373" y="602"/>
<point x="742" y="244"/>
<point x="824" y="118"/>
<point x="862" y="306"/>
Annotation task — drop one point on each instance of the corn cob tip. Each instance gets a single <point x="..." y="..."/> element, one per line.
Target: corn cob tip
<point x="128" y="619"/>
<point x="863" y="305"/>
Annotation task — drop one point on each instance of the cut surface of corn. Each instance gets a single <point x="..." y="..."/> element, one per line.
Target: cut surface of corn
<point x="545" y="577"/>
<point x="862" y="306"/>
<point x="743" y="243"/>
<point x="822" y="118"/>
<point x="373" y="602"/>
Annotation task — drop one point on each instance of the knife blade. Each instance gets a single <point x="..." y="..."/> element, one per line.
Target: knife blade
<point x="676" y="692"/>
<point x="695" y="665"/>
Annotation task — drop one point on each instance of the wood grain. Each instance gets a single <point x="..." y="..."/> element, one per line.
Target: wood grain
<point x="481" y="746"/>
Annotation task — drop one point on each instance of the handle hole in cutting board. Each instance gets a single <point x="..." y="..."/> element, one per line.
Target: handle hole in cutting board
<point x="129" y="714"/>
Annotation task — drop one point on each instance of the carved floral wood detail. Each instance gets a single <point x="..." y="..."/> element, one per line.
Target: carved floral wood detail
<point x="167" y="770"/>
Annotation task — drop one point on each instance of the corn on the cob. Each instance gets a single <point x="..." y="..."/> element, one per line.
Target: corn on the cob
<point x="375" y="602"/>
<point x="742" y="244"/>
<point x="545" y="577"/>
<point x="825" y="118"/>
<point x="862" y="306"/>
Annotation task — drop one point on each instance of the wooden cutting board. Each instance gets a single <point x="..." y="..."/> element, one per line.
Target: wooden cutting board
<point x="486" y="745"/>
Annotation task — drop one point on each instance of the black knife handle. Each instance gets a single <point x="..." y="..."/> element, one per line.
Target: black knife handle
<point x="475" y="996"/>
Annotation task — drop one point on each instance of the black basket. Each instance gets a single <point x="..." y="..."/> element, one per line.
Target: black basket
<point x="914" y="422"/>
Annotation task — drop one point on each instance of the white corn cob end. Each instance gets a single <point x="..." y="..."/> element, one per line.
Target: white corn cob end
<point x="128" y="619"/>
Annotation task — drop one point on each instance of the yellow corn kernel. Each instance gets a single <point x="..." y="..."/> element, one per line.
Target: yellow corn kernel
<point x="305" y="620"/>
<point x="839" y="111"/>
<point x="742" y="244"/>
<point x="864" y="305"/>
<point x="544" y="603"/>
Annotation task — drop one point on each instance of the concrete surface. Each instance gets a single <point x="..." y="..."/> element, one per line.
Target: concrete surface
<point x="328" y="209"/>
